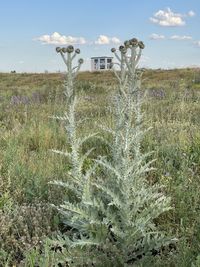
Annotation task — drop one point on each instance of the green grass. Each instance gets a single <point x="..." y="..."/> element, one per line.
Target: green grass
<point x="28" y="133"/>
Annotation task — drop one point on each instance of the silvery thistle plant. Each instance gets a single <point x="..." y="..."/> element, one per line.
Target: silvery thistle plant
<point x="136" y="203"/>
<point x="76" y="178"/>
<point x="114" y="221"/>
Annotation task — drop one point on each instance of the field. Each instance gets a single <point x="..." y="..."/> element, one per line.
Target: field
<point x="28" y="103"/>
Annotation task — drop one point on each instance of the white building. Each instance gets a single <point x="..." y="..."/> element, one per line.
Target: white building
<point x="101" y="63"/>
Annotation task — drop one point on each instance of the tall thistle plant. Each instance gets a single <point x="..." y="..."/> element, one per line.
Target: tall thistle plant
<point x="114" y="223"/>
<point x="76" y="176"/>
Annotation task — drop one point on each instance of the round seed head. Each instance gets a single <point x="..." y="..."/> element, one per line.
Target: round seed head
<point x="77" y="51"/>
<point x="121" y="48"/>
<point x="141" y="45"/>
<point x="70" y="49"/>
<point x="58" y="49"/>
<point x="127" y="43"/>
<point x="134" y="42"/>
<point x="64" y="49"/>
<point x="124" y="50"/>
<point x="113" y="50"/>
<point x="80" y="61"/>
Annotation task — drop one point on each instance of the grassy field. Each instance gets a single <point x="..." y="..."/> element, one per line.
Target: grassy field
<point x="28" y="133"/>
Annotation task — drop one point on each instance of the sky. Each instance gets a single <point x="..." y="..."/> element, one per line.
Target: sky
<point x="32" y="29"/>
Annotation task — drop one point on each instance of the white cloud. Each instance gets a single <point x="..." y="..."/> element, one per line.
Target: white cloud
<point x="103" y="40"/>
<point x="180" y="38"/>
<point x="191" y="13"/>
<point x="58" y="39"/>
<point x="115" y="40"/>
<point x="155" y="36"/>
<point x="167" y="18"/>
<point x="197" y="43"/>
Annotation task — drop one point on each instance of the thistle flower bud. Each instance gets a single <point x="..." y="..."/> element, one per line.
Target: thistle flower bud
<point x="77" y="51"/>
<point x="113" y="50"/>
<point x="64" y="49"/>
<point x="121" y="48"/>
<point x="141" y="45"/>
<point x="70" y="49"/>
<point x="80" y="61"/>
<point x="134" y="42"/>
<point x="127" y="43"/>
<point x="58" y="49"/>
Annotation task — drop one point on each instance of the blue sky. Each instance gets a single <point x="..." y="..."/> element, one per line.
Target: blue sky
<point x="31" y="29"/>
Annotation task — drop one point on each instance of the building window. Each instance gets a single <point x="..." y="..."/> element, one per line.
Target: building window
<point x="109" y="60"/>
<point x="102" y="66"/>
<point x="102" y="63"/>
<point x="95" y="63"/>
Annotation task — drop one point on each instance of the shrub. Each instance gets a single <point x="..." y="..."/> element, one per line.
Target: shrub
<point x="23" y="228"/>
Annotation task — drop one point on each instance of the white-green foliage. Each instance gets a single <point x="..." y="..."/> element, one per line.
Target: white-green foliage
<point x="75" y="175"/>
<point x="113" y="224"/>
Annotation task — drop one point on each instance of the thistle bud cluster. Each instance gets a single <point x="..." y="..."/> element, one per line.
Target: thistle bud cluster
<point x="71" y="54"/>
<point x="128" y="58"/>
<point x="134" y="43"/>
<point x="69" y="49"/>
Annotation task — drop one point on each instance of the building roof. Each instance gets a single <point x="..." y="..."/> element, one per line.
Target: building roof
<point x="101" y="57"/>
